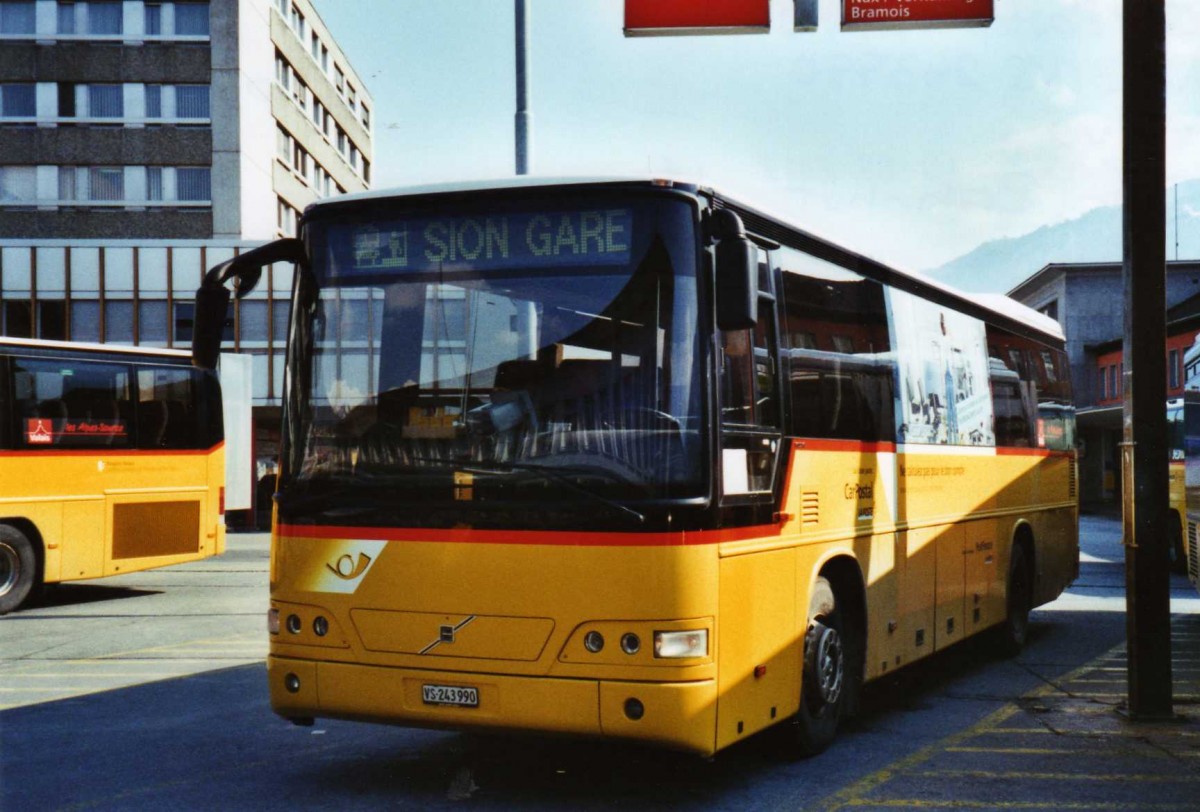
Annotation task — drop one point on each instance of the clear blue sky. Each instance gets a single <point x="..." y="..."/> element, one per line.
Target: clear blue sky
<point x="909" y="146"/>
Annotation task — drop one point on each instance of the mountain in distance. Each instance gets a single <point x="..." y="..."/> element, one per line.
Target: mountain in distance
<point x="997" y="266"/>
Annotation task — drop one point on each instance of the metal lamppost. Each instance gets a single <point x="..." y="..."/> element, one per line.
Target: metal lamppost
<point x="523" y="117"/>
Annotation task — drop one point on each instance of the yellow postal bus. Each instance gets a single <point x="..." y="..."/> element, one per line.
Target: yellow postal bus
<point x="634" y="460"/>
<point x="111" y="461"/>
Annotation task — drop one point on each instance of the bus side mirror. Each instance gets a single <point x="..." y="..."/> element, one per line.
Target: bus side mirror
<point x="736" y="273"/>
<point x="212" y="298"/>
<point x="212" y="302"/>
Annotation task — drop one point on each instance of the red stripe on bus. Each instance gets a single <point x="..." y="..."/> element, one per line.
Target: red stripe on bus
<point x="874" y="447"/>
<point x="1032" y="452"/>
<point x="560" y="538"/>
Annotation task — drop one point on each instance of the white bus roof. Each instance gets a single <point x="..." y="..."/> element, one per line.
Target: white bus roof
<point x="79" y="346"/>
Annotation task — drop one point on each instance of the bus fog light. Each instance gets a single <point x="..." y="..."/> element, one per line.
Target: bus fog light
<point x="634" y="709"/>
<point x="320" y="627"/>
<point x="681" y="644"/>
<point x="630" y="644"/>
<point x="293" y="624"/>
<point x="593" y="642"/>
<point x="273" y="621"/>
<point x="292" y="683"/>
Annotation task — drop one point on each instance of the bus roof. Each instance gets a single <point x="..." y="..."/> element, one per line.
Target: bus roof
<point x="1009" y="310"/>
<point x="85" y="347"/>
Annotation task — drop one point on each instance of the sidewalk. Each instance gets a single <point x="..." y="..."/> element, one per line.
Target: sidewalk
<point x="1063" y="746"/>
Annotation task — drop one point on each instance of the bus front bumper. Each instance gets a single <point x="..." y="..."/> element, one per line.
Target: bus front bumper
<point x="678" y="715"/>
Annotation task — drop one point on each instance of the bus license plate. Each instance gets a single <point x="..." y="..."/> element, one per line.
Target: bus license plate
<point x="456" y="695"/>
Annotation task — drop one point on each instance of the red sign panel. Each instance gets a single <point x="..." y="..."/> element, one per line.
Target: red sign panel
<point x="658" y="17"/>
<point x="864" y="14"/>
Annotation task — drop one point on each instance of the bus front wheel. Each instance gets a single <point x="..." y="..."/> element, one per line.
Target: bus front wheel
<point x="18" y="565"/>
<point x="823" y="685"/>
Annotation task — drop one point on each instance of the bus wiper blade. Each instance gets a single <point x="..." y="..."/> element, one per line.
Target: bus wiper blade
<point x="554" y="475"/>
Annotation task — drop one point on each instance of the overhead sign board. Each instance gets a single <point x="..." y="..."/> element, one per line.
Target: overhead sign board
<point x="889" y="14"/>
<point x="666" y="17"/>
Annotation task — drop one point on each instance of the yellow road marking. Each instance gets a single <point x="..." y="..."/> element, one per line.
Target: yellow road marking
<point x="856" y="794"/>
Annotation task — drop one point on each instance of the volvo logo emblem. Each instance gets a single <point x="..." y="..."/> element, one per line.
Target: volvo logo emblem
<point x="446" y="634"/>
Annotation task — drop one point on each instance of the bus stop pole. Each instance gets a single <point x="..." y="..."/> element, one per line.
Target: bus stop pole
<point x="1144" y="450"/>
<point x="523" y="116"/>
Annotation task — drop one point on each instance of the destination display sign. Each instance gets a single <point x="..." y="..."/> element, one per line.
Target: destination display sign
<point x="885" y="14"/>
<point x="490" y="241"/>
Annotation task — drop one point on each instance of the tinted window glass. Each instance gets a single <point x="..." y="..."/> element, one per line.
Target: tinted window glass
<point x="840" y="370"/>
<point x="1031" y="393"/>
<point x="72" y="404"/>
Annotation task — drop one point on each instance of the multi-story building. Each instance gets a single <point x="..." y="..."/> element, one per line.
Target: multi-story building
<point x="1087" y="299"/>
<point x="144" y="141"/>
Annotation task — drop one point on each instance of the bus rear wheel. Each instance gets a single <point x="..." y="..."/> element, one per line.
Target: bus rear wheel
<point x="1013" y="632"/>
<point x="823" y="686"/>
<point x="18" y="565"/>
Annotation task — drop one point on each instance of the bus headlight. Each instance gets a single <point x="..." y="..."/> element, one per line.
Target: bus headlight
<point x="681" y="644"/>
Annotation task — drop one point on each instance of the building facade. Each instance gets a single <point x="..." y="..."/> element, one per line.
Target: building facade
<point x="143" y="141"/>
<point x="1087" y="299"/>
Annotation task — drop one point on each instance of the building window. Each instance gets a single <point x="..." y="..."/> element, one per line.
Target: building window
<point x="18" y="318"/>
<point x="154" y="183"/>
<point x="66" y="18"/>
<point x="154" y="101"/>
<point x="52" y="319"/>
<point x="366" y="118"/>
<point x="153" y="19"/>
<point x="18" y="100"/>
<point x="66" y="100"/>
<point x="1050" y="309"/>
<point x="252" y="321"/>
<point x="85" y="320"/>
<point x="191" y="101"/>
<point x="191" y="19"/>
<point x="152" y="322"/>
<point x="283" y="71"/>
<point x="118" y="321"/>
<point x="193" y="183"/>
<point x="67" y="183"/>
<point x="16" y="18"/>
<point x="18" y="184"/>
<point x="104" y="17"/>
<point x="1173" y="369"/>
<point x="106" y="101"/>
<point x="106" y="183"/>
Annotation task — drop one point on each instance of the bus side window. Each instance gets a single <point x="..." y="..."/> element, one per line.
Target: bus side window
<point x="840" y="372"/>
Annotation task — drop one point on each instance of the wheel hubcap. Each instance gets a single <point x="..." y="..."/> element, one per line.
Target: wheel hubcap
<point x="10" y="568"/>
<point x="829" y="664"/>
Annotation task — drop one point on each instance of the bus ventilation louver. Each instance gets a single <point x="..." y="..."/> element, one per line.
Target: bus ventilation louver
<point x="810" y="508"/>
<point x="1071" y="478"/>
<point x="1193" y="552"/>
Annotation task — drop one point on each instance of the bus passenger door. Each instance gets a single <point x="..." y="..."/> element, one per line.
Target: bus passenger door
<point x="759" y="664"/>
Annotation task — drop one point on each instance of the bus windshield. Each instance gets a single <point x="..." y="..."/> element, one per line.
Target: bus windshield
<point x="527" y="352"/>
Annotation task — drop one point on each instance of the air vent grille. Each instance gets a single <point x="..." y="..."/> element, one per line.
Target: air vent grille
<point x="1193" y="553"/>
<point x="810" y="508"/>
